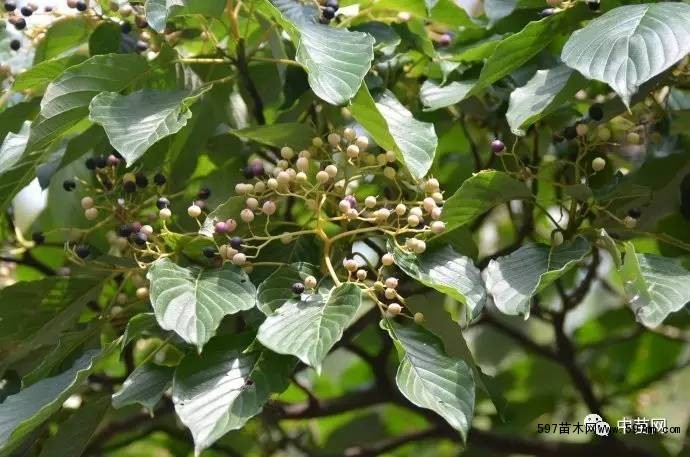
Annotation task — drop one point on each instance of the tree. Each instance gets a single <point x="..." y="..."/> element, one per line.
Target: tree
<point x="385" y="227"/>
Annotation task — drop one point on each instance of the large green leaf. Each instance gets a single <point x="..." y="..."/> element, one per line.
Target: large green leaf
<point x="26" y="410"/>
<point x="394" y="128"/>
<point x="63" y="37"/>
<point x="17" y="167"/>
<point x="542" y="94"/>
<point x="192" y="301"/>
<point x="33" y="314"/>
<point x="630" y="44"/>
<point x="291" y="134"/>
<point x="66" y="99"/>
<point x="135" y="122"/>
<point x="448" y="272"/>
<point x="479" y="194"/>
<point x="655" y="286"/>
<point x="145" y="386"/>
<point x="74" y="435"/>
<point x="435" y="96"/>
<point x="36" y="78"/>
<point x="309" y="326"/>
<point x="514" y="279"/>
<point x="335" y="71"/>
<point x="275" y="290"/>
<point x="221" y="390"/>
<point x="159" y="11"/>
<point x="431" y="379"/>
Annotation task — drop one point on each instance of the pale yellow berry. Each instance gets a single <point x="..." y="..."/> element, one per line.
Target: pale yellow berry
<point x="370" y="201"/>
<point x="381" y="159"/>
<point x="239" y="259"/>
<point x="431" y="185"/>
<point x="598" y="164"/>
<point x="91" y="214"/>
<point x="349" y="134"/>
<point x="413" y="220"/>
<point x="317" y="142"/>
<point x="322" y="177"/>
<point x="310" y="282"/>
<point x="283" y="178"/>
<point x="630" y="222"/>
<point x="419" y="247"/>
<point x="87" y="203"/>
<point x="165" y="214"/>
<point x="394" y="309"/>
<point x="129" y="177"/>
<point x="334" y="139"/>
<point x="146" y="230"/>
<point x="194" y="211"/>
<point x="362" y="143"/>
<point x="361" y="275"/>
<point x="352" y="151"/>
<point x="272" y="183"/>
<point x="400" y="209"/>
<point x="390" y="293"/>
<point x="350" y="265"/>
<point x="429" y="204"/>
<point x="282" y="164"/>
<point x="391" y="282"/>
<point x="581" y="129"/>
<point x="304" y="154"/>
<point x="301" y="177"/>
<point x="389" y="172"/>
<point x="121" y="299"/>
<point x="247" y="215"/>
<point x="260" y="187"/>
<point x="286" y="238"/>
<point x="416" y="211"/>
<point x="438" y="197"/>
<point x="331" y="170"/>
<point x="287" y="153"/>
<point x="387" y="259"/>
<point x="302" y="164"/>
<point x="382" y="214"/>
<point x="142" y="293"/>
<point x="436" y="213"/>
<point x="603" y="134"/>
<point x="344" y="206"/>
<point x="438" y="227"/>
<point x="418" y="318"/>
<point x="390" y="156"/>
<point x="633" y="138"/>
<point x="252" y="203"/>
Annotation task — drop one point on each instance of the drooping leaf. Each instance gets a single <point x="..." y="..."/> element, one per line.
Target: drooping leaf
<point x="221" y="390"/>
<point x="630" y="44"/>
<point x="145" y="386"/>
<point x="435" y="96"/>
<point x="655" y="286"/>
<point x="23" y="412"/>
<point x="290" y="134"/>
<point x="448" y="272"/>
<point x="309" y="326"/>
<point x="479" y="194"/>
<point x="67" y="98"/>
<point x="546" y="91"/>
<point x="275" y="290"/>
<point x="74" y="435"/>
<point x="135" y="122"/>
<point x="394" y="128"/>
<point x="192" y="301"/>
<point x="514" y="279"/>
<point x="431" y="379"/>
<point x="335" y="72"/>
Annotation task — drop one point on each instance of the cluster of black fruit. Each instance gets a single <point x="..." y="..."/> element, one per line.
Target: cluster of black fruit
<point x="328" y="11"/>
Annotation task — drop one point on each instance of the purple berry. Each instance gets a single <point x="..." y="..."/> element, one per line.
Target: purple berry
<point x="497" y="146"/>
<point x="221" y="227"/>
<point x="351" y="200"/>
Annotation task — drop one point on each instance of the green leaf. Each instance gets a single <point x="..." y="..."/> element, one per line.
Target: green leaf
<point x="141" y="324"/>
<point x="655" y="286"/>
<point x="291" y="134"/>
<point x="105" y="39"/>
<point x="221" y="390"/>
<point x="479" y="194"/>
<point x="34" y="313"/>
<point x="37" y="78"/>
<point x="431" y="379"/>
<point x="158" y="12"/>
<point x="74" y="435"/>
<point x="275" y="290"/>
<point x="309" y="326"/>
<point x="630" y="44"/>
<point x="62" y="37"/>
<point x="145" y="386"/>
<point x="335" y="72"/>
<point x="546" y="91"/>
<point x="448" y="272"/>
<point x="67" y="98"/>
<point x="496" y="10"/>
<point x="435" y="96"/>
<point x="17" y="167"/>
<point x="514" y="279"/>
<point x="135" y="122"/>
<point x="192" y="301"/>
<point x="395" y="129"/>
<point x="23" y="412"/>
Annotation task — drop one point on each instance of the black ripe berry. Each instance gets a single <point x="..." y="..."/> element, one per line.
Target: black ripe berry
<point x="90" y="163"/>
<point x="81" y="5"/>
<point x="635" y="213"/>
<point x="236" y="242"/>
<point x="15" y="45"/>
<point x="140" y="238"/>
<point x="26" y="11"/>
<point x="124" y="230"/>
<point x="328" y="13"/>
<point x="82" y="251"/>
<point x="160" y="179"/>
<point x="335" y="4"/>
<point x="257" y="168"/>
<point x="497" y="146"/>
<point x="141" y="180"/>
<point x="596" y="112"/>
<point x="130" y="187"/>
<point x="69" y="185"/>
<point x="570" y="133"/>
<point x="38" y="237"/>
<point x="298" y="288"/>
<point x="163" y="203"/>
<point x="101" y="162"/>
<point x="210" y="252"/>
<point x="10" y="6"/>
<point x="126" y="27"/>
<point x="20" y="23"/>
<point x="203" y="193"/>
<point x="248" y="172"/>
<point x="593" y="5"/>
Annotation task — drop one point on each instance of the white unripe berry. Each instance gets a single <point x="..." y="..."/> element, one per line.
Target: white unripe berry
<point x="252" y="203"/>
<point x="436" y="213"/>
<point x="91" y="214"/>
<point x="125" y="10"/>
<point x="339" y="185"/>
<point x="231" y="225"/>
<point x="269" y="208"/>
<point x="413" y="220"/>
<point x="418" y="318"/>
<point x="286" y="238"/>
<point x="317" y="142"/>
<point x="283" y="178"/>
<point x="344" y="206"/>
<point x="352" y="214"/>
<point x="419" y="247"/>
<point x="389" y="172"/>
<point x="429" y="204"/>
<point x="121" y="299"/>
<point x="272" y="183"/>
<point x="260" y="187"/>
<point x="381" y="159"/>
<point x="87" y="203"/>
<point x="581" y="129"/>
<point x="352" y="151"/>
<point x="361" y="275"/>
<point x="362" y="143"/>
<point x="387" y="260"/>
<point x="287" y="153"/>
<point x="331" y="170"/>
<point x="129" y="177"/>
<point x="391" y="282"/>
<point x="239" y="259"/>
<point x="282" y="164"/>
<point x="382" y="214"/>
<point x="369" y="159"/>
<point x="350" y="265"/>
<point x="291" y="173"/>
<point x="302" y="164"/>
<point x="394" y="309"/>
<point x="370" y="201"/>
<point x="334" y="139"/>
<point x="390" y="293"/>
<point x="240" y="188"/>
<point x="350" y="134"/>
<point x="146" y="230"/>
<point x="431" y="185"/>
<point x="322" y="177"/>
<point x="400" y="209"/>
<point x="630" y="222"/>
<point x="142" y="293"/>
<point x="247" y="215"/>
<point x="310" y="282"/>
<point x="438" y="227"/>
<point x="164" y="214"/>
<point x="304" y="154"/>
<point x="194" y="211"/>
<point x="390" y="156"/>
<point x="416" y="211"/>
<point x="598" y="164"/>
<point x="301" y="177"/>
<point x="438" y="197"/>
